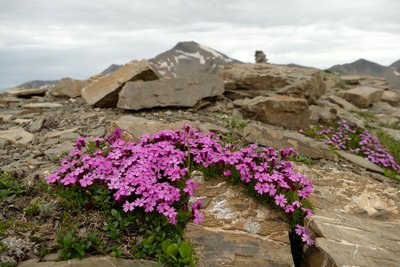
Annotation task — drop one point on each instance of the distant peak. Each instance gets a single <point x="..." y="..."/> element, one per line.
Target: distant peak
<point x="184" y="46"/>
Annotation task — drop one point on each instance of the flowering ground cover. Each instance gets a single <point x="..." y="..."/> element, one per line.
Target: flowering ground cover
<point x="361" y="142"/>
<point x="153" y="177"/>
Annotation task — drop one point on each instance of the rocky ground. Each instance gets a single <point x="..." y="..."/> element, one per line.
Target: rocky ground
<point x="356" y="221"/>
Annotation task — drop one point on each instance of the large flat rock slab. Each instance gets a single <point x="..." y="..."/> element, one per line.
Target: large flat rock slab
<point x="272" y="136"/>
<point x="286" y="111"/>
<point x="363" y="96"/>
<point x="170" y="92"/>
<point x="356" y="221"/>
<point x="17" y="135"/>
<point x="236" y="230"/>
<point x="251" y="80"/>
<point x="104" y="91"/>
<point x="68" y="87"/>
<point x="27" y="92"/>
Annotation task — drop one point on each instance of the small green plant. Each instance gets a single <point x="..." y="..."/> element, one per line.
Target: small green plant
<point x="234" y="122"/>
<point x="74" y="246"/>
<point x="9" y="185"/>
<point x="116" y="224"/>
<point x="32" y="209"/>
<point x="301" y="158"/>
<point x="364" y="115"/>
<point x="178" y="254"/>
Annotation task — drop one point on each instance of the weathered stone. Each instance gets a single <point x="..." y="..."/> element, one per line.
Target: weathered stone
<point x="43" y="105"/>
<point x="56" y="134"/>
<point x="237" y="231"/>
<point x="104" y="91"/>
<point x="57" y="150"/>
<point x="391" y="97"/>
<point x="27" y="92"/>
<point x="342" y="103"/>
<point x="395" y="134"/>
<point x="363" y="96"/>
<point x="7" y="99"/>
<point x="179" y="92"/>
<point x="136" y="127"/>
<point x="321" y="115"/>
<point x="356" y="220"/>
<point x="17" y="135"/>
<point x="351" y="79"/>
<point x="360" y="161"/>
<point x="251" y="80"/>
<point x="280" y="110"/>
<point x="96" y="261"/>
<point x="271" y="136"/>
<point x="68" y="87"/>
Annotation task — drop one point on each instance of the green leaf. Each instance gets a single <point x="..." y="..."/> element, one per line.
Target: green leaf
<point x="185" y="250"/>
<point x="187" y="260"/>
<point x="114" y="213"/>
<point x="165" y="244"/>
<point x="172" y="250"/>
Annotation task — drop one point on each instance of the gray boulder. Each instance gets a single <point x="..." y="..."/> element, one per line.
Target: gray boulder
<point x="179" y="92"/>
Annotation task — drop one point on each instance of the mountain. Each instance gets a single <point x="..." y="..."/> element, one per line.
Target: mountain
<point x="396" y="64"/>
<point x="111" y="68"/>
<point x="37" y="84"/>
<point x="189" y="57"/>
<point x="369" y="68"/>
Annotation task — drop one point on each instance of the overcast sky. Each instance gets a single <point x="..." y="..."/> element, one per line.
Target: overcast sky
<point x="50" y="39"/>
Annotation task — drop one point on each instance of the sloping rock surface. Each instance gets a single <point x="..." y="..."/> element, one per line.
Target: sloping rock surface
<point x="356" y="220"/>
<point x="251" y="80"/>
<point x="286" y="111"/>
<point x="363" y="96"/>
<point x="176" y="92"/>
<point x="104" y="91"/>
<point x="236" y="230"/>
<point x="271" y="136"/>
<point x="68" y="87"/>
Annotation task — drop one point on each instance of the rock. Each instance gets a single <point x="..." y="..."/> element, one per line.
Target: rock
<point x="68" y="87"/>
<point x="43" y="105"/>
<point x="179" y="92"/>
<point x="27" y="92"/>
<point x="104" y="91"/>
<point x="6" y="117"/>
<point x="392" y="97"/>
<point x="22" y="121"/>
<point x="17" y="135"/>
<point x="381" y="108"/>
<point x="360" y="161"/>
<point x="136" y="127"/>
<point x="356" y="220"/>
<point x="57" y="134"/>
<point x="321" y="115"/>
<point x="57" y="150"/>
<point x="342" y="103"/>
<point x="271" y="136"/>
<point x="351" y="79"/>
<point x="96" y="261"/>
<point x="363" y="96"/>
<point x="251" y="80"/>
<point x="7" y="99"/>
<point x="286" y="111"/>
<point x="237" y="231"/>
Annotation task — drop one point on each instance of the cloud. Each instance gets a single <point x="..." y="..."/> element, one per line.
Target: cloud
<point x="42" y="39"/>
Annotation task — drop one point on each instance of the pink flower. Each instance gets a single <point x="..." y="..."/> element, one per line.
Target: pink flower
<point x="227" y="173"/>
<point x="280" y="200"/>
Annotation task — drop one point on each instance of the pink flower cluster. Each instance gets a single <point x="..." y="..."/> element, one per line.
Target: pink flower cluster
<point x="153" y="174"/>
<point x="345" y="137"/>
<point x="304" y="234"/>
